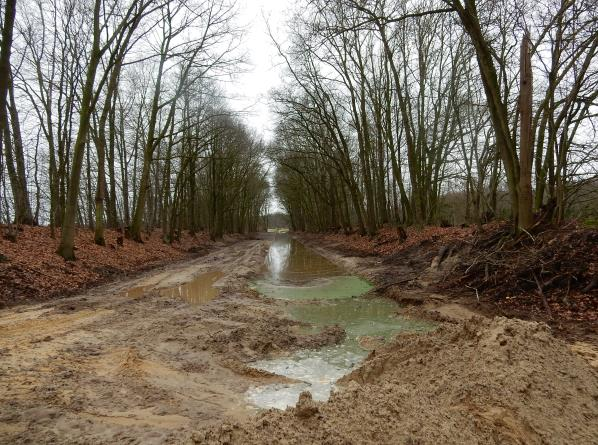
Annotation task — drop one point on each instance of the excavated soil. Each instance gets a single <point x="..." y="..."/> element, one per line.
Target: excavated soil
<point x="105" y="367"/>
<point x="485" y="381"/>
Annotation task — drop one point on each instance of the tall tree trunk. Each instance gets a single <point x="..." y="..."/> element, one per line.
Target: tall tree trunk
<point x="100" y="192"/>
<point x="5" y="49"/>
<point x="66" y="249"/>
<point x="497" y="107"/>
<point x="111" y="212"/>
<point x="526" y="143"/>
<point x="23" y="213"/>
<point x="148" y="153"/>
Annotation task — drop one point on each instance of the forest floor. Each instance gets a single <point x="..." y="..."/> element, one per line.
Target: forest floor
<point x="111" y="366"/>
<point x="30" y="269"/>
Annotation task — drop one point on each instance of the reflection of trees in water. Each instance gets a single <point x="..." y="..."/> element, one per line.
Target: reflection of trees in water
<point x="278" y="258"/>
<point x="289" y="259"/>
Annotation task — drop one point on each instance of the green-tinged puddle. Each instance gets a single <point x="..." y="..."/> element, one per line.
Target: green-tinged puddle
<point x="320" y="294"/>
<point x="318" y="289"/>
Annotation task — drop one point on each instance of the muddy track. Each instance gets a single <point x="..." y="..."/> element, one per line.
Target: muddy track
<point x="102" y="367"/>
<point x="473" y="380"/>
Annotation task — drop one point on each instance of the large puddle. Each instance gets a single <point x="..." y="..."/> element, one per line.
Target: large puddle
<point x="321" y="294"/>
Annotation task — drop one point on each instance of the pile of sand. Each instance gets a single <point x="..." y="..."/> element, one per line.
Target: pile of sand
<point x="485" y="381"/>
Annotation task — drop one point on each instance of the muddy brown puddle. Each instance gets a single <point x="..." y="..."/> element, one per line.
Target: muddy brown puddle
<point x="320" y="293"/>
<point x="198" y="291"/>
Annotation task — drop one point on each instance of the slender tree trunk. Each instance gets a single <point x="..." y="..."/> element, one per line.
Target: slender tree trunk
<point x="100" y="193"/>
<point x="526" y="144"/>
<point x="66" y="249"/>
<point x="148" y="152"/>
<point x="5" y="49"/>
<point x="23" y="213"/>
<point x="498" y="109"/>
<point x="112" y="215"/>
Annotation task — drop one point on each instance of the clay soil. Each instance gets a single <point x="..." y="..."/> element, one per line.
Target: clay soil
<point x="104" y="367"/>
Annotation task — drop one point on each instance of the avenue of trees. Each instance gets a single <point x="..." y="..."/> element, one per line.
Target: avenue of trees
<point x="392" y="112"/>
<point x="395" y="109"/>
<point x="111" y="116"/>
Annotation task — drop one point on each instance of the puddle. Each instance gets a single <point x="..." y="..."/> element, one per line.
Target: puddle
<point x="199" y="291"/>
<point x="364" y="320"/>
<point x="290" y="261"/>
<point x="294" y="272"/>
<point x="135" y="292"/>
<point x="318" y="288"/>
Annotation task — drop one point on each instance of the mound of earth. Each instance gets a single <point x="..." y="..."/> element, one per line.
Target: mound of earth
<point x="485" y="381"/>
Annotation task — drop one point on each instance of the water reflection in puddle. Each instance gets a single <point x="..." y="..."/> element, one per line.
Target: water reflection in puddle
<point x="298" y="279"/>
<point x="317" y="288"/>
<point x="317" y="369"/>
<point x="198" y="291"/>
<point x="135" y="292"/>
<point x="290" y="261"/>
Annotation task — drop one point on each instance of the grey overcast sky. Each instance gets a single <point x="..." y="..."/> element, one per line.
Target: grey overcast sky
<point x="248" y="91"/>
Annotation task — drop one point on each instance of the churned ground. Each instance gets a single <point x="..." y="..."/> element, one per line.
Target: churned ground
<point x="484" y="381"/>
<point x="109" y="366"/>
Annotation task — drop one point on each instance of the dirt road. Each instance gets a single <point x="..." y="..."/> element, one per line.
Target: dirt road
<point x="142" y="367"/>
<point x="105" y="367"/>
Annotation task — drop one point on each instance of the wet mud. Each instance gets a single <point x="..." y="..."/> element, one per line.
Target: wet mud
<point x="132" y="363"/>
<point x="484" y="381"/>
<point x="138" y="362"/>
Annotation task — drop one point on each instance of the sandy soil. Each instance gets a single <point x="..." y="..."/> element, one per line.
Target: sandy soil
<point x="107" y="368"/>
<point x="485" y="381"/>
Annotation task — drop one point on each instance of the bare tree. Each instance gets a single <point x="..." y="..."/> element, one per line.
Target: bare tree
<point x="5" y="51"/>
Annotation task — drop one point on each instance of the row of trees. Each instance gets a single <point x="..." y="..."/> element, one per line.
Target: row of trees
<point x="392" y="105"/>
<point x="114" y="119"/>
